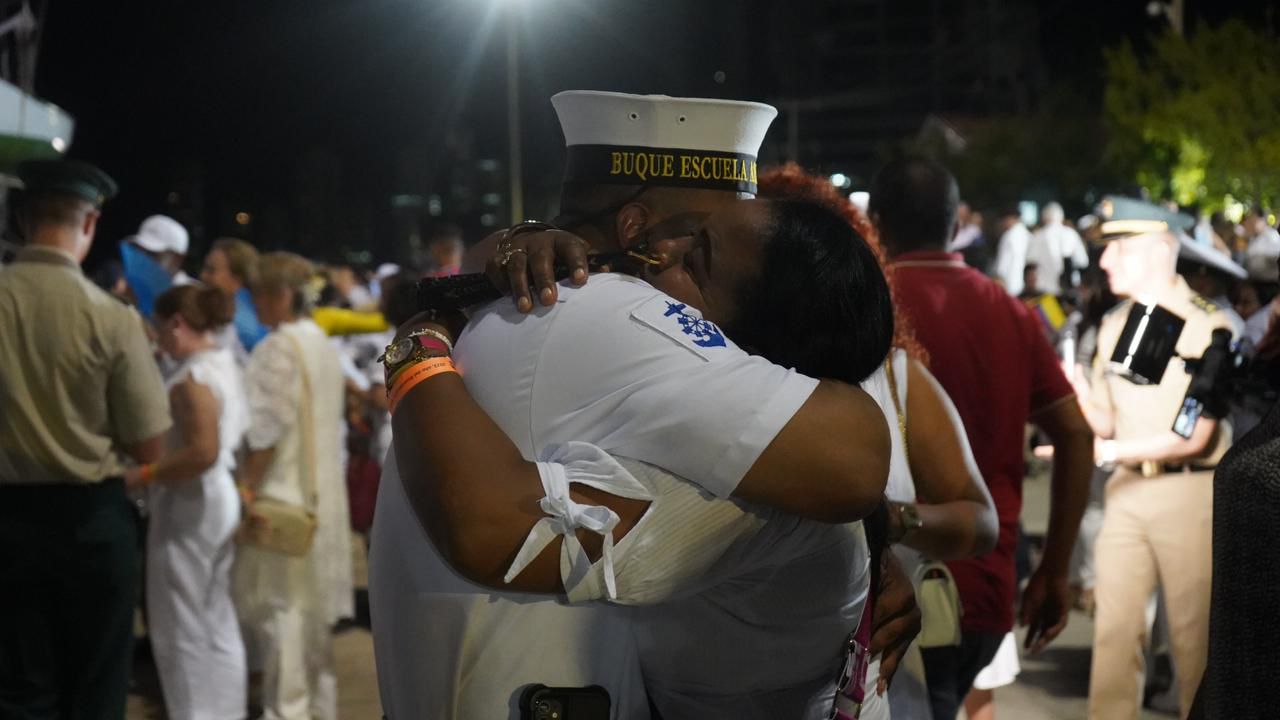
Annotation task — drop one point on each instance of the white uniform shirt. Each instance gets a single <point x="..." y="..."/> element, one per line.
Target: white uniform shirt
<point x="1011" y="258"/>
<point x="1048" y="248"/>
<point x="616" y="364"/>
<point x="746" y="609"/>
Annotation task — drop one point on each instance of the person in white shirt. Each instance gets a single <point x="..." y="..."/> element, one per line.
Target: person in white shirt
<point x="195" y="635"/>
<point x="1051" y="246"/>
<point x="287" y="604"/>
<point x="1264" y="240"/>
<point x="1211" y="273"/>
<point x="1011" y="254"/>
<point x="619" y="365"/>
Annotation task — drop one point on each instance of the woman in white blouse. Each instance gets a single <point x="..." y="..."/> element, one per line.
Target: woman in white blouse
<point x="288" y="604"/>
<point x="194" y="512"/>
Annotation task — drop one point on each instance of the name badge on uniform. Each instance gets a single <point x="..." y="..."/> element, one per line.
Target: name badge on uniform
<point x="682" y="324"/>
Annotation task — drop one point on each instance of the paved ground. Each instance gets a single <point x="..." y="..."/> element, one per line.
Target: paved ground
<point x="1051" y="687"/>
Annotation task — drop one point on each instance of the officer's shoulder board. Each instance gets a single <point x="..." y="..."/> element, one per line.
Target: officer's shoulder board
<point x="1208" y="306"/>
<point x="682" y="324"/>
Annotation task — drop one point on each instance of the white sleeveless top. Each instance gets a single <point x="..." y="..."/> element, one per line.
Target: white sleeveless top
<point x="206" y="506"/>
<point x="217" y="370"/>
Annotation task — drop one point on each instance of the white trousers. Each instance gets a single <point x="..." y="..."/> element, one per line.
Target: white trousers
<point x="195" y="636"/>
<point x="287" y="636"/>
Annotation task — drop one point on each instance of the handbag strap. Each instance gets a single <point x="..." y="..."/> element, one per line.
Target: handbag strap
<point x="897" y="406"/>
<point x="308" y="435"/>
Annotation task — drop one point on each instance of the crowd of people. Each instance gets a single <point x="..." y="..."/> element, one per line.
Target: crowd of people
<point x="771" y="466"/>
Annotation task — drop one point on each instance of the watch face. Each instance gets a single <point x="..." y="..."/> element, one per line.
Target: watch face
<point x="398" y="352"/>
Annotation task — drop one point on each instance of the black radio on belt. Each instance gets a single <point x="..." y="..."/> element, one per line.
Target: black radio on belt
<point x="1147" y="344"/>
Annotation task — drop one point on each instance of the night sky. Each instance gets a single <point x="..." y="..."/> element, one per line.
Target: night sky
<point x="240" y="89"/>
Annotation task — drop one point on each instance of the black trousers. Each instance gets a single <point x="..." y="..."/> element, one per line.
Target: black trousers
<point x="69" y="571"/>
<point x="950" y="671"/>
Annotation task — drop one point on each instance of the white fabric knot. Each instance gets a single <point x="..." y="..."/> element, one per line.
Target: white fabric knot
<point x="585" y="464"/>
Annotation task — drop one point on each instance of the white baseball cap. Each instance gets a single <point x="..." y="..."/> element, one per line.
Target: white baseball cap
<point x="161" y="233"/>
<point x="657" y="140"/>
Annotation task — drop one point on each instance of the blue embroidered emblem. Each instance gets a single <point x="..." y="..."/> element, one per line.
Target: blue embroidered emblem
<point x="703" y="332"/>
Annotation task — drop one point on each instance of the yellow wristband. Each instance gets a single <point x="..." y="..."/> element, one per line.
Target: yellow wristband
<point x="415" y="374"/>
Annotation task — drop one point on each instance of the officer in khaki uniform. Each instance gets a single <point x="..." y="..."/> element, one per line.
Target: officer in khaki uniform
<point x="80" y="395"/>
<point x="1157" y="525"/>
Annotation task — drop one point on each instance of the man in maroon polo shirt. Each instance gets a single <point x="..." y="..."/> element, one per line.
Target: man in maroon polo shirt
<point x="988" y="351"/>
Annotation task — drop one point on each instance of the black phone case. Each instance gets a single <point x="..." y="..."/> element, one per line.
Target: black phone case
<point x="570" y="703"/>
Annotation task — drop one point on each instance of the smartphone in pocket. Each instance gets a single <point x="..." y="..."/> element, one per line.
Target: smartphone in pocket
<point x="539" y="702"/>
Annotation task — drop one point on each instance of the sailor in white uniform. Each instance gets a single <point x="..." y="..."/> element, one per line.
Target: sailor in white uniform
<point x="614" y="364"/>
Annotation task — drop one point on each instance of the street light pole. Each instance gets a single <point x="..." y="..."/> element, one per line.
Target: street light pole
<point x="513" y="119"/>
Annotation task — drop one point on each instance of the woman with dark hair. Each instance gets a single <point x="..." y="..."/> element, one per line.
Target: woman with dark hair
<point x="194" y="513"/>
<point x="940" y="508"/>
<point x="788" y="279"/>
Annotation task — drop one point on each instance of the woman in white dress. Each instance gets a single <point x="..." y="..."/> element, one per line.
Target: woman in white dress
<point x="288" y="605"/>
<point x="194" y="513"/>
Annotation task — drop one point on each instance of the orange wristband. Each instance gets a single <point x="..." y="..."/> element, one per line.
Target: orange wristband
<point x="147" y="473"/>
<point x="415" y="374"/>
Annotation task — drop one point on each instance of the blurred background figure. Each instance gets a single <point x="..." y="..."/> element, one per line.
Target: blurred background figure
<point x="1011" y="252"/>
<point x="444" y="252"/>
<point x="1228" y="236"/>
<point x="288" y="605"/>
<point x="1157" y="525"/>
<point x="351" y="292"/>
<point x="232" y="267"/>
<point x="1057" y="251"/>
<point x="80" y="397"/>
<point x="990" y="355"/>
<point x="1212" y="274"/>
<point x="194" y="511"/>
<point x="1263" y="240"/>
<point x="166" y="241"/>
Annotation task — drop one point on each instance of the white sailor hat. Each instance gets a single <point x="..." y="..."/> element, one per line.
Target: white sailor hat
<point x="656" y="140"/>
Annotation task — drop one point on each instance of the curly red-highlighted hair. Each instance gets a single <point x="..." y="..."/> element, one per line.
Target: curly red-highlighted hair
<point x="792" y="182"/>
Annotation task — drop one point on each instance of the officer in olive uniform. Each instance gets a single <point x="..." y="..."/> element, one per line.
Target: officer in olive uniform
<point x="1157" y="526"/>
<point x="80" y="396"/>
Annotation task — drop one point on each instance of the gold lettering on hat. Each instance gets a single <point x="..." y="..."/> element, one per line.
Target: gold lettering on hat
<point x="617" y="163"/>
<point x="642" y="166"/>
<point x="668" y="161"/>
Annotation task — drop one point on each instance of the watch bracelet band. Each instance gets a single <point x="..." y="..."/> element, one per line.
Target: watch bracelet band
<point x="428" y="332"/>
